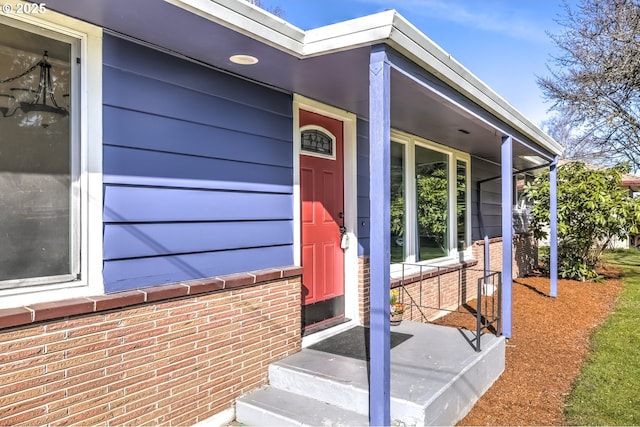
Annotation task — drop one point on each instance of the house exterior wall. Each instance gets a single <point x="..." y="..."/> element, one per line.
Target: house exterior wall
<point x="198" y="244"/>
<point x="486" y="200"/>
<point x="456" y="283"/>
<point x="177" y="360"/>
<point x="452" y="285"/>
<point x="363" y="187"/>
<point x="441" y="293"/>
<point x="439" y="289"/>
<point x="198" y="175"/>
<point x="198" y="168"/>
<point x="525" y="254"/>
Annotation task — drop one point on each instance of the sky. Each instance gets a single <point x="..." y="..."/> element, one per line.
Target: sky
<point x="505" y="43"/>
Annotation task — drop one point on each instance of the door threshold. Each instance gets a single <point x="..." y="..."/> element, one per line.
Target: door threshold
<point x="325" y="324"/>
<point x="315" y="337"/>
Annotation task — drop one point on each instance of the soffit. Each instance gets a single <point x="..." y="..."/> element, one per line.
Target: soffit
<point x="329" y="64"/>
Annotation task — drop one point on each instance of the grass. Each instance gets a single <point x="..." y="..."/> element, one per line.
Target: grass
<point x="607" y="391"/>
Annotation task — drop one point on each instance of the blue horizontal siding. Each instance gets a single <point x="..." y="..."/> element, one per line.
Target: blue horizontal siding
<point x="487" y="210"/>
<point x="148" y="63"/>
<point x="197" y="170"/>
<point x="122" y="275"/>
<point x="167" y="100"/>
<point x="149" y="132"/>
<point x="147" y="204"/>
<point x="144" y="240"/>
<point x="362" y="184"/>
<point x="142" y="167"/>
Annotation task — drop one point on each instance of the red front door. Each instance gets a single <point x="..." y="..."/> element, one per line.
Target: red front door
<point x="322" y="195"/>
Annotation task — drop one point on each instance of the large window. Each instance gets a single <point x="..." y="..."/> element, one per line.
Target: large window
<point x="429" y="200"/>
<point x="45" y="155"/>
<point x="397" y="202"/>
<point x="432" y="203"/>
<point x="461" y="203"/>
<point x="36" y="168"/>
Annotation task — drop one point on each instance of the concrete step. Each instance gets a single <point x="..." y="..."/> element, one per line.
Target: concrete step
<point x="343" y="383"/>
<point x="270" y="406"/>
<point x="436" y="378"/>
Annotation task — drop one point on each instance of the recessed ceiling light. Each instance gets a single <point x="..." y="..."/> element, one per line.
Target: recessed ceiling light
<point x="243" y="59"/>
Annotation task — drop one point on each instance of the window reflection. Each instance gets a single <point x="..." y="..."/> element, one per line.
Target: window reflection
<point x="432" y="191"/>
<point x="35" y="162"/>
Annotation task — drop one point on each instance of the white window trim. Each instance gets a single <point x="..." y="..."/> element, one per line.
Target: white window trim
<point x="410" y="142"/>
<point x="467" y="160"/>
<point x="89" y="133"/>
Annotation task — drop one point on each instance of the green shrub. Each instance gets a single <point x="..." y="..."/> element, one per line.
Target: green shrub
<point x="593" y="208"/>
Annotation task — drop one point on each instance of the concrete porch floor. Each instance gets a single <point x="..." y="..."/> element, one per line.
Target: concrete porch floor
<point x="436" y="378"/>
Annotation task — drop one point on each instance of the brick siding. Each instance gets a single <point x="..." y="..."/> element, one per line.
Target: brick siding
<point x="450" y="287"/>
<point x="525" y="254"/>
<point x="176" y="361"/>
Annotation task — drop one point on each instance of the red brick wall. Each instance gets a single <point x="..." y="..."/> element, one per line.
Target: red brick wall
<point x="363" y="289"/>
<point x="442" y="289"/>
<point x="438" y="288"/>
<point x="525" y="254"/>
<point x="172" y="362"/>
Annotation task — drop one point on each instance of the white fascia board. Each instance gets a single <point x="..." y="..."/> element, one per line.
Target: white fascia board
<point x="364" y="31"/>
<point x="250" y="20"/>
<point x="408" y="40"/>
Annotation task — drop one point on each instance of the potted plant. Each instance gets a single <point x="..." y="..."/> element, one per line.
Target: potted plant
<point x="396" y="308"/>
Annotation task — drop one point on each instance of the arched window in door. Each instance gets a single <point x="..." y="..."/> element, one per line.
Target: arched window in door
<point x="316" y="141"/>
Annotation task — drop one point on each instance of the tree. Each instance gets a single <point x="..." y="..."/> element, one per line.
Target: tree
<point x="277" y="10"/>
<point x="432" y="209"/>
<point x="432" y="188"/>
<point x="578" y="147"/>
<point x="592" y="209"/>
<point x="596" y="85"/>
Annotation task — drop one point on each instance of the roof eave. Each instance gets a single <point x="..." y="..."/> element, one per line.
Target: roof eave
<point x="250" y="20"/>
<point x="412" y="43"/>
<point x="388" y="27"/>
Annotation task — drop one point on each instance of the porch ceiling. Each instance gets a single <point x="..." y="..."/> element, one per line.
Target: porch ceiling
<point x="339" y="78"/>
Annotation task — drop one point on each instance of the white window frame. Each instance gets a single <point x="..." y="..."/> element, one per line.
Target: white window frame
<point x="409" y="142"/>
<point x="86" y="138"/>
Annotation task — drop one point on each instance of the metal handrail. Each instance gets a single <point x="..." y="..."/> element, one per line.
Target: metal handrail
<point x="488" y="310"/>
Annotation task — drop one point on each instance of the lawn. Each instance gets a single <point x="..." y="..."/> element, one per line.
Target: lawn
<point x="607" y="391"/>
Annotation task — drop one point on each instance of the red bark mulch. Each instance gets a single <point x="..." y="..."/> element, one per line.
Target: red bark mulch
<point x="550" y="340"/>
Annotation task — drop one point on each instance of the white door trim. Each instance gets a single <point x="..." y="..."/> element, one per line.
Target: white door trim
<point x="349" y="121"/>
